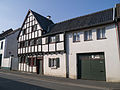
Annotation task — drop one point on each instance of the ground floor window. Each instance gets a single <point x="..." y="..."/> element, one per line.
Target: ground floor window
<point x="54" y="62"/>
<point x="28" y="61"/>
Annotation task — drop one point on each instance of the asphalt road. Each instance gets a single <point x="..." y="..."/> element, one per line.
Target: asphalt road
<point x="9" y="81"/>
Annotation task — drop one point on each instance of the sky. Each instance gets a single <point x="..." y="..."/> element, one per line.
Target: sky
<point x="13" y="12"/>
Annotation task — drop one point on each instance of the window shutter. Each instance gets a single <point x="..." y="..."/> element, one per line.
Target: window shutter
<point x="49" y="62"/>
<point x="57" y="62"/>
<point x="26" y="59"/>
<point x="57" y="38"/>
<point x="46" y="40"/>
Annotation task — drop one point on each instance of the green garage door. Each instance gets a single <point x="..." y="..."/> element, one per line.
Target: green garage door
<point x="91" y="66"/>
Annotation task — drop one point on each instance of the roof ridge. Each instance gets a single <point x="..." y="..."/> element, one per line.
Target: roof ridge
<point x="40" y="15"/>
<point x="83" y="16"/>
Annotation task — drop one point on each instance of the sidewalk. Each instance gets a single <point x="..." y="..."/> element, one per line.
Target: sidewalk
<point x="92" y="83"/>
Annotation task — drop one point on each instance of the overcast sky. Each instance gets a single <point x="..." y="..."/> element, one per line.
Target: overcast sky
<point x="13" y="12"/>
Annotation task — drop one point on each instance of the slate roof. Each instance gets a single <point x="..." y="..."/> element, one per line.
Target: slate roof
<point x="90" y="20"/>
<point x="43" y="21"/>
<point x="6" y="33"/>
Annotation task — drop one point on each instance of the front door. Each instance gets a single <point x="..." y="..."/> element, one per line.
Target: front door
<point x="39" y="66"/>
<point x="91" y="66"/>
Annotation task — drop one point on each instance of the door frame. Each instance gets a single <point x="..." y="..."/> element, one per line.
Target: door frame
<point x="38" y="58"/>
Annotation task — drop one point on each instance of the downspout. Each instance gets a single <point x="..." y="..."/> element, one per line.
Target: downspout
<point x="117" y="30"/>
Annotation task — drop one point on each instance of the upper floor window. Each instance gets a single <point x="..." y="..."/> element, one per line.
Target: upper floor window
<point x="57" y="38"/>
<point x="1" y="45"/>
<point x="39" y="41"/>
<point x="46" y="40"/>
<point x="101" y="33"/>
<point x="76" y="37"/>
<point x="32" y="42"/>
<point x="88" y="35"/>
<point x="26" y="43"/>
<point x="52" y="39"/>
<point x="18" y="45"/>
<point x="34" y="27"/>
<point x="24" y="31"/>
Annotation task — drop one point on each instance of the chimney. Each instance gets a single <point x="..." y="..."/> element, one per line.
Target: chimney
<point x="48" y="17"/>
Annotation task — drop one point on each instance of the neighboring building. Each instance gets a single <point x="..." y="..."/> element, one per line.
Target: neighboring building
<point x="9" y="49"/>
<point x="85" y="47"/>
<point x="10" y="52"/>
<point x="2" y="45"/>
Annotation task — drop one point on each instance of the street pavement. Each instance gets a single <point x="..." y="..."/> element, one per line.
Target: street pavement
<point x="12" y="80"/>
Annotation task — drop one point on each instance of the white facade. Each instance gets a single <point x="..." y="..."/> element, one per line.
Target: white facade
<point x="109" y="46"/>
<point x="53" y="71"/>
<point x="2" y="52"/>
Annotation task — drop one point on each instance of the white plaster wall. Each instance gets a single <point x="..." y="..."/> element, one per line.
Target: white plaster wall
<point x="61" y="37"/>
<point x="26" y="68"/>
<point x="39" y="48"/>
<point x="2" y="51"/>
<point x="59" y="72"/>
<point x="52" y="47"/>
<point x="108" y="46"/>
<point x="45" y="48"/>
<point x="60" y="46"/>
<point x="6" y="62"/>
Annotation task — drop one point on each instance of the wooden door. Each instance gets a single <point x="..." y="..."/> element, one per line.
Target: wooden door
<point x="39" y="65"/>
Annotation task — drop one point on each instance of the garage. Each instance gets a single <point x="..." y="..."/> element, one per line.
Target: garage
<point x="91" y="66"/>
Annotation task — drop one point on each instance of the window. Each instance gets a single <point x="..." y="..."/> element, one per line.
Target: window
<point x="26" y="43"/>
<point x="57" y="38"/>
<point x="52" y="39"/>
<point x="76" y="37"/>
<point x="34" y="27"/>
<point x="39" y="41"/>
<point x="54" y="62"/>
<point x="18" y="45"/>
<point x="101" y="33"/>
<point x="88" y="35"/>
<point x="32" y="61"/>
<point x="46" y="40"/>
<point x="31" y="42"/>
<point x="24" y="31"/>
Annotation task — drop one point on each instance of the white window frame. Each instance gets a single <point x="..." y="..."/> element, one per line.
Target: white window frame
<point x="88" y="35"/>
<point x="101" y="33"/>
<point x="76" y="37"/>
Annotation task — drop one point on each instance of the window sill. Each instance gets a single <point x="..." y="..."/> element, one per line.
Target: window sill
<point x="51" y="42"/>
<point x="53" y="67"/>
<point x="75" y="41"/>
<point x="101" y="38"/>
<point x="89" y="40"/>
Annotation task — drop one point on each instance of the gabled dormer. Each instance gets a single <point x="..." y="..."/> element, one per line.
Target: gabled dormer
<point x="33" y="26"/>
